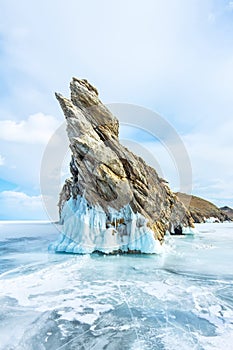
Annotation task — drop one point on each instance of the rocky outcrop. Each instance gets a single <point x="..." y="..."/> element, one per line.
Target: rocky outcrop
<point x="227" y="211"/>
<point x="202" y="210"/>
<point x="108" y="175"/>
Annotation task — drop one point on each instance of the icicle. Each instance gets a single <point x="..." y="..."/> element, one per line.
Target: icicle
<point x="84" y="230"/>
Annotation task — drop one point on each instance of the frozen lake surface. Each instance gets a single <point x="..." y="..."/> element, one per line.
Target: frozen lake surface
<point x="181" y="299"/>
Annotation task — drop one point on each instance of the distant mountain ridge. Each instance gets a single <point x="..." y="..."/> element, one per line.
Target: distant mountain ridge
<point x="202" y="210"/>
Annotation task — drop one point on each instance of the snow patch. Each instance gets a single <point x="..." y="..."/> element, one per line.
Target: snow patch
<point x="211" y="220"/>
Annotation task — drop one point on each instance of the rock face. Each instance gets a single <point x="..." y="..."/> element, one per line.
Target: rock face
<point x="130" y="198"/>
<point x="228" y="211"/>
<point x="202" y="210"/>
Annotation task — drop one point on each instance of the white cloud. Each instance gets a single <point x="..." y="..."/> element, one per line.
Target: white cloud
<point x="21" y="199"/>
<point x="2" y="160"/>
<point x="159" y="48"/>
<point x="24" y="143"/>
<point x="173" y="57"/>
<point x="18" y="205"/>
<point x="211" y="156"/>
<point x="210" y="153"/>
<point x="163" y="55"/>
<point x="38" y="128"/>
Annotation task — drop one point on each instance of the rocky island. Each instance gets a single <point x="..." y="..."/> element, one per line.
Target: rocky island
<point x="114" y="202"/>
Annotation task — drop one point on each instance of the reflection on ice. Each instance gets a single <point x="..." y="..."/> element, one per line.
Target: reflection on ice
<point x="87" y="229"/>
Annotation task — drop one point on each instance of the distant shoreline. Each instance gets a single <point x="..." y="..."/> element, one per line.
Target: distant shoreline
<point x="27" y="222"/>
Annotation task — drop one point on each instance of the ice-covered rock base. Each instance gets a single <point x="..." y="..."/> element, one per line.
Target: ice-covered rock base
<point x="89" y="229"/>
<point x="189" y="230"/>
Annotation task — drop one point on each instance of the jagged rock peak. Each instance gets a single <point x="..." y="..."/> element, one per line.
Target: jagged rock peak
<point x="85" y="98"/>
<point x="109" y="176"/>
<point x="76" y="83"/>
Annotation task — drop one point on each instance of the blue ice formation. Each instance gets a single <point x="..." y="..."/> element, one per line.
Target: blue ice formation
<point x="88" y="229"/>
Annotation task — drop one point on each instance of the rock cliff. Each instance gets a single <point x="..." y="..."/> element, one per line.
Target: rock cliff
<point x="109" y="179"/>
<point x="202" y="210"/>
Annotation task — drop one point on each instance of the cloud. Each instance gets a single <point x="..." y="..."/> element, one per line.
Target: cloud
<point x="164" y="56"/>
<point x="2" y="160"/>
<point x="172" y="57"/>
<point x="24" y="143"/>
<point x="38" y="128"/>
<point x="210" y="154"/>
<point x="18" y="205"/>
<point x="159" y="51"/>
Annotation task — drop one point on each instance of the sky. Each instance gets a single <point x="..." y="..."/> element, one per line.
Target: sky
<point x="172" y="57"/>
